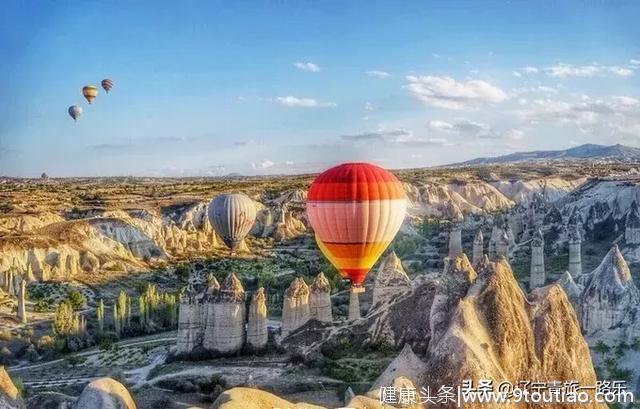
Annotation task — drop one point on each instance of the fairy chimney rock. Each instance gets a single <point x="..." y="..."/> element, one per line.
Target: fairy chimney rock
<point x="320" y="299"/>
<point x="257" y="332"/>
<point x="228" y="317"/>
<point x="537" y="278"/>
<point x="478" y="248"/>
<point x="391" y="280"/>
<point x="295" y="310"/>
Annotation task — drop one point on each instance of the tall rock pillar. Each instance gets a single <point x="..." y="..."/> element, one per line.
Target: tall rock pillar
<point x="354" y="305"/>
<point x="22" y="293"/>
<point x="575" y="254"/>
<point x="229" y="317"/>
<point x="455" y="233"/>
<point x="478" y="248"/>
<point x="257" y="332"/>
<point x="295" y="310"/>
<point x="537" y="278"/>
<point x="320" y="299"/>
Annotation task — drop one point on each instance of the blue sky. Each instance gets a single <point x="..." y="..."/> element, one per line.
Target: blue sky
<point x="210" y="88"/>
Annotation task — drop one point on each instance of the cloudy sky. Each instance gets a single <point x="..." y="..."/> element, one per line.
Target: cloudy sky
<point x="267" y="87"/>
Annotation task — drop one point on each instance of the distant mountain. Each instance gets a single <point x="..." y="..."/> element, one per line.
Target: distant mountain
<point x="587" y="151"/>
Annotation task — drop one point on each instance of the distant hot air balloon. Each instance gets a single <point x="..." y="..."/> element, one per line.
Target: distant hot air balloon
<point x="356" y="209"/>
<point x="107" y="84"/>
<point x="232" y="216"/>
<point x="90" y="93"/>
<point x="75" y="112"/>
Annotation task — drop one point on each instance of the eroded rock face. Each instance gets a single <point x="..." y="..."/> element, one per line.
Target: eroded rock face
<point x="295" y="310"/>
<point x="257" y="332"/>
<point x="320" y="299"/>
<point x="9" y="397"/>
<point x="244" y="398"/>
<point x="391" y="280"/>
<point x="609" y="296"/>
<point x="496" y="333"/>
<point x="105" y="393"/>
<point x="228" y="335"/>
<point x="451" y="288"/>
<point x="479" y="324"/>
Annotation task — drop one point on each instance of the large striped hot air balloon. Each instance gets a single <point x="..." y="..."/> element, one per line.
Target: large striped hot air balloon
<point x="75" y="112"/>
<point x="232" y="216"/>
<point x="107" y="84"/>
<point x="356" y="209"/>
<point x="90" y="93"/>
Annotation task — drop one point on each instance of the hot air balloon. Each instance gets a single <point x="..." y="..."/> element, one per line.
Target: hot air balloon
<point x="107" y="84"/>
<point x="355" y="209"/>
<point x="75" y="112"/>
<point x="232" y="216"/>
<point x="90" y="93"/>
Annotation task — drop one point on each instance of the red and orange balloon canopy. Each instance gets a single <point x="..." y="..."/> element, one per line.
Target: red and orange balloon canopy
<point x="356" y="209"/>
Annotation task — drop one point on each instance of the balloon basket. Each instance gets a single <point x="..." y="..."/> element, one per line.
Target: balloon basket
<point x="357" y="289"/>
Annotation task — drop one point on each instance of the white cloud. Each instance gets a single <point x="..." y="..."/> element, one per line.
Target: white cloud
<point x="587" y="112"/>
<point x="459" y="126"/>
<point x="517" y="74"/>
<point x="263" y="164"/>
<point x="621" y="71"/>
<point x="476" y="130"/>
<point x="297" y="102"/>
<point x="368" y="106"/>
<point x="397" y="136"/>
<point x="530" y="70"/>
<point x="568" y="70"/>
<point x="378" y="74"/>
<point x="306" y="66"/>
<point x="635" y="63"/>
<point x="562" y="70"/>
<point x="446" y="92"/>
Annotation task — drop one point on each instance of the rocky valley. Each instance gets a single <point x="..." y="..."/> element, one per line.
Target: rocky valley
<point x="509" y="272"/>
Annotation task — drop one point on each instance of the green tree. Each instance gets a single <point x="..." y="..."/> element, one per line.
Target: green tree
<point x="76" y="299"/>
<point x="100" y="313"/>
<point x="64" y="320"/>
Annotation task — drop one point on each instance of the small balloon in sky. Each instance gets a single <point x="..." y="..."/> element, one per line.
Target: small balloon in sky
<point x="107" y="84"/>
<point x="75" y="111"/>
<point x="90" y="92"/>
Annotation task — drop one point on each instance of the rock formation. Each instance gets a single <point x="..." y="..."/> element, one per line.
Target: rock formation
<point x="501" y="238"/>
<point x="537" y="277"/>
<point x="398" y="321"/>
<point x="575" y="251"/>
<point x="22" y="293"/>
<point x="105" y="393"/>
<point x="451" y="288"/>
<point x="191" y="314"/>
<point x="245" y="398"/>
<point x="354" y="306"/>
<point x="295" y="310"/>
<point x="496" y="333"/>
<point x="320" y="299"/>
<point x="228" y="317"/>
<point x="391" y="280"/>
<point x="9" y="396"/>
<point x="478" y="248"/>
<point x="455" y="232"/>
<point x="257" y="331"/>
<point x="212" y="317"/>
<point x="572" y="289"/>
<point x="485" y="328"/>
<point x="632" y="225"/>
<point x="609" y="296"/>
